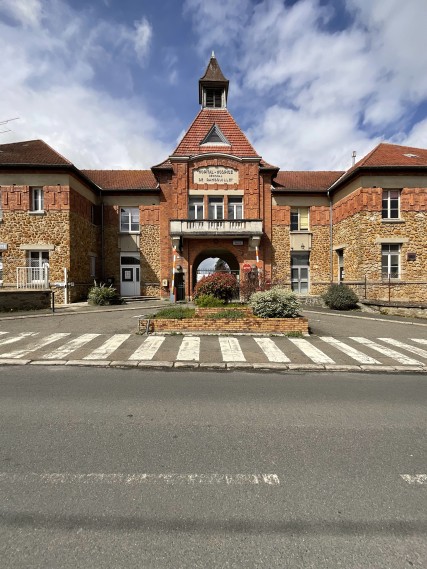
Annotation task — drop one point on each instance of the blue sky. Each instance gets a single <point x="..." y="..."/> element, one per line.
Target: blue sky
<point x="114" y="83"/>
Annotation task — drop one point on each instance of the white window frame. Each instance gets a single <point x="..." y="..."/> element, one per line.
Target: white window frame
<point x="37" y="260"/>
<point x="37" y="200"/>
<point x="233" y="206"/>
<point x="387" y="203"/>
<point x="127" y="220"/>
<point x="1" y="268"/>
<point x="196" y="208"/>
<point x="388" y="252"/>
<point x="216" y="208"/>
<point x="297" y="211"/>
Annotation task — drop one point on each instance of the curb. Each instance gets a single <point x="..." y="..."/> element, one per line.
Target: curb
<point x="220" y="366"/>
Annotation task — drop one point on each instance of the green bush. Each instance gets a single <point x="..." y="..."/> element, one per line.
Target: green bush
<point x="178" y="312"/>
<point x="208" y="301"/>
<point x="104" y="295"/>
<point x="230" y="314"/>
<point x="220" y="285"/>
<point x="275" y="303"/>
<point x="340" y="297"/>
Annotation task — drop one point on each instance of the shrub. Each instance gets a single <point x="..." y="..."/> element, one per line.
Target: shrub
<point x="340" y="297"/>
<point x="208" y="301"/>
<point x="104" y="295"/>
<point x="275" y="303"/>
<point x="178" y="312"/>
<point x="230" y="314"/>
<point x="220" y="285"/>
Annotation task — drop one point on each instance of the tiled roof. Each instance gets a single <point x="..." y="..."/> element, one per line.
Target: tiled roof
<point x="191" y="142"/>
<point x="313" y="181"/>
<point x="213" y="72"/>
<point x="31" y="152"/>
<point x="394" y="155"/>
<point x="122" y="179"/>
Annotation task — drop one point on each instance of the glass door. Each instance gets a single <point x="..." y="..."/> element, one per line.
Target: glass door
<point x="300" y="272"/>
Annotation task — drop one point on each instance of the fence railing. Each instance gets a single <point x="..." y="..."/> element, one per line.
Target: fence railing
<point x="32" y="277"/>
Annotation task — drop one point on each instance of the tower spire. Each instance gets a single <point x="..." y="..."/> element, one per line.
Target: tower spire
<point x="213" y="86"/>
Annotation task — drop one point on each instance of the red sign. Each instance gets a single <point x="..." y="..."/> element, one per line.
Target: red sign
<point x="246" y="267"/>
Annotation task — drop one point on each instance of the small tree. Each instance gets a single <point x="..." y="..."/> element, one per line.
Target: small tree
<point x="275" y="303"/>
<point x="340" y="297"/>
<point x="220" y="285"/>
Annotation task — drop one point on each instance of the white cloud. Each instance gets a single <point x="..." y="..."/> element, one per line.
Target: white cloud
<point x="143" y="35"/>
<point x="28" y="13"/>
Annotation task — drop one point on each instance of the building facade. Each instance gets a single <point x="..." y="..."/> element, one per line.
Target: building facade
<point x="148" y="231"/>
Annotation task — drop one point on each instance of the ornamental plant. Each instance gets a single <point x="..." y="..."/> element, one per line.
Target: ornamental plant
<point x="104" y="295"/>
<point x="275" y="303"/>
<point x="220" y="285"/>
<point x="340" y="297"/>
<point x="208" y="301"/>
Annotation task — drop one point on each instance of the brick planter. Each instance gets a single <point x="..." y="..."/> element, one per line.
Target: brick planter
<point x="244" y="325"/>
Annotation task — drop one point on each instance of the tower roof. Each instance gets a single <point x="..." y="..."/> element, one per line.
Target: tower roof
<point x="213" y="77"/>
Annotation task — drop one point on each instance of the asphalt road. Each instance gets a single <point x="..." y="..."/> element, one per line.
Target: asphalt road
<point x="137" y="468"/>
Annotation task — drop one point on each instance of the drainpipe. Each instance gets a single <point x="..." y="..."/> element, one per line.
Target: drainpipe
<point x="331" y="258"/>
<point x="102" y="240"/>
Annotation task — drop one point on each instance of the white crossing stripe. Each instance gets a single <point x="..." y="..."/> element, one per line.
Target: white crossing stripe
<point x="273" y="353"/>
<point x="408" y="347"/>
<point x="387" y="351"/>
<point x="147" y="350"/>
<point x="70" y="347"/>
<point x="230" y="349"/>
<point x="37" y="345"/>
<point x="119" y="478"/>
<point x="349" y="350"/>
<point x="415" y="478"/>
<point x="108" y="347"/>
<point x="2" y="332"/>
<point x="189" y="349"/>
<point x="316" y="355"/>
<point x="419" y="340"/>
<point x="13" y="339"/>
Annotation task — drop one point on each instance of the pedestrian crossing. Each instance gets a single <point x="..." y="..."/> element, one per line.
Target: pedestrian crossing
<point x="318" y="350"/>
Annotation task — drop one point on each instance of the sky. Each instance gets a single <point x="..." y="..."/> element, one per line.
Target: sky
<point x="113" y="84"/>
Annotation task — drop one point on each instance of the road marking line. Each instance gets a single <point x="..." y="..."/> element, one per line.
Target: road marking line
<point x="415" y="478"/>
<point x="189" y="349"/>
<point x="3" y="332"/>
<point x="349" y="351"/>
<point x="413" y="349"/>
<point x="107" y="347"/>
<point x="37" y="345"/>
<point x="14" y="339"/>
<point x="69" y="347"/>
<point x="147" y="350"/>
<point x="273" y="353"/>
<point x="231" y="351"/>
<point x="316" y="355"/>
<point x="387" y="351"/>
<point x="144" y="478"/>
<point x="419" y="340"/>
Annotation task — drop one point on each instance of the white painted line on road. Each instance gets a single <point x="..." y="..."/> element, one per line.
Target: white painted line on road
<point x="408" y="347"/>
<point x="37" y="345"/>
<point x="387" y="351"/>
<point x="63" y="351"/>
<point x="13" y="339"/>
<point x="189" y="349"/>
<point x="107" y="347"/>
<point x="2" y="332"/>
<point x="135" y="479"/>
<point x="273" y="353"/>
<point x="349" y="350"/>
<point x="316" y="355"/>
<point x="419" y="340"/>
<point x="415" y="478"/>
<point x="230" y="349"/>
<point x="147" y="350"/>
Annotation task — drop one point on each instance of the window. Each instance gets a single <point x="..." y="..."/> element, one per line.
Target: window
<point x="129" y="219"/>
<point x="38" y="263"/>
<point x="37" y="199"/>
<point x="1" y="268"/>
<point x="214" y="98"/>
<point x="92" y="261"/>
<point x="390" y="260"/>
<point x="216" y="208"/>
<point x="390" y="204"/>
<point x="235" y="208"/>
<point x="299" y="219"/>
<point x="196" y="208"/>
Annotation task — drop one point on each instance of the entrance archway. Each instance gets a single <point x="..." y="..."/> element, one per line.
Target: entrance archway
<point x="229" y="264"/>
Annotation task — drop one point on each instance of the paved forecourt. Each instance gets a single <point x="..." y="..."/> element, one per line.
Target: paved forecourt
<point x="217" y="351"/>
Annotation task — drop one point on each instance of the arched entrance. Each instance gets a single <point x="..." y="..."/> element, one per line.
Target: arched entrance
<point x="221" y="260"/>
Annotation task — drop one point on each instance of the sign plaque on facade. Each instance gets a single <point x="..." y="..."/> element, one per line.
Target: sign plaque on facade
<point x="215" y="175"/>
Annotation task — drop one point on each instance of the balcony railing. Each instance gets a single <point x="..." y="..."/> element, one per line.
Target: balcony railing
<point x="32" y="277"/>
<point x="208" y="227"/>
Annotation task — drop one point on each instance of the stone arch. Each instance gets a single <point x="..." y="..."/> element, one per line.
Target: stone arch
<point x="215" y="252"/>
